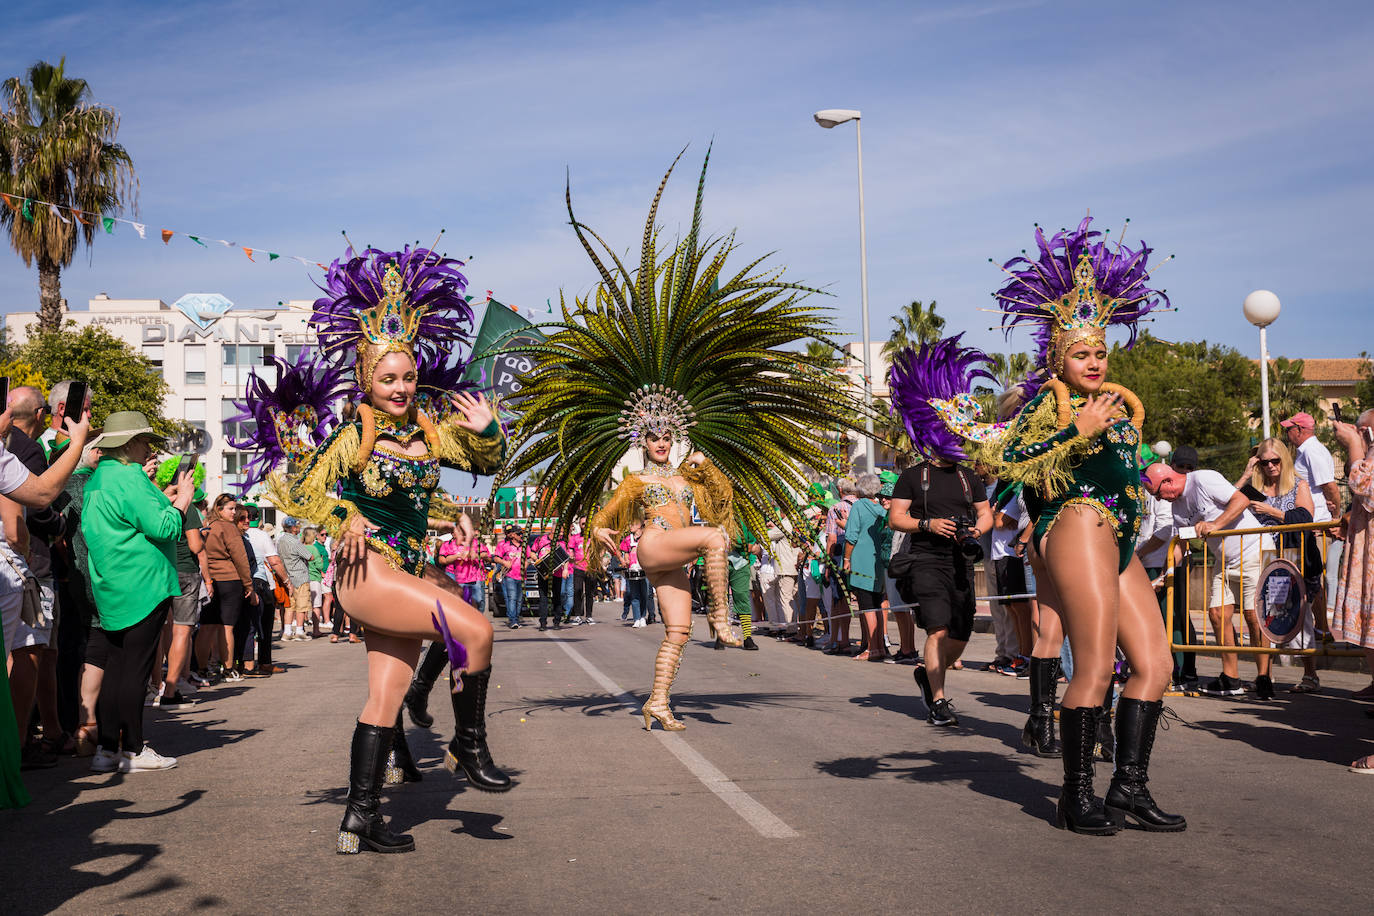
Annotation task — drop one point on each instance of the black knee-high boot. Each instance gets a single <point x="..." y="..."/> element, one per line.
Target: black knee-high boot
<point x="1039" y="733"/>
<point x="1106" y="738"/>
<point x="426" y="673"/>
<point x="1079" y="810"/>
<point x="469" y="747"/>
<point x="362" y="825"/>
<point x="400" y="765"/>
<point x="1129" y="796"/>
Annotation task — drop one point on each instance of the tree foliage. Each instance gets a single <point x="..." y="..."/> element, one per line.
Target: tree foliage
<point x="915" y="324"/>
<point x="21" y="374"/>
<point x="1195" y="393"/>
<point x="57" y="146"/>
<point x="1364" y="391"/>
<point x="120" y="378"/>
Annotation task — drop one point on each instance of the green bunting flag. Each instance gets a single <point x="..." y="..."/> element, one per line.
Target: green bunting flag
<point x="272" y="255"/>
<point x="197" y="240"/>
<point x="109" y="224"/>
<point x="28" y="209"/>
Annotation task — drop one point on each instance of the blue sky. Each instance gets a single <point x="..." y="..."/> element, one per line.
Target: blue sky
<point x="1235" y="135"/>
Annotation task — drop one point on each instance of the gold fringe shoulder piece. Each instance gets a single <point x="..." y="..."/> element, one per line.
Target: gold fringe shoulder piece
<point x="332" y="459"/>
<point x="464" y="449"/>
<point x="620" y="510"/>
<point x="323" y="509"/>
<point x="715" y="496"/>
<point x="1038" y="450"/>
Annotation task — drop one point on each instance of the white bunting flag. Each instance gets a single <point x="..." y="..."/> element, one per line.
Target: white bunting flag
<point x="58" y="213"/>
<point x="139" y="227"/>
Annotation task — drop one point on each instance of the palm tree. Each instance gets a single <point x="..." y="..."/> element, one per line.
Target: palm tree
<point x="57" y="146"/>
<point x="1289" y="391"/>
<point x="1010" y="369"/>
<point x="916" y="324"/>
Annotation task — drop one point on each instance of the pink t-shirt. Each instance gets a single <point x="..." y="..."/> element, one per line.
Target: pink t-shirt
<point x="513" y="554"/>
<point x="466" y="565"/>
<point x="575" y="546"/>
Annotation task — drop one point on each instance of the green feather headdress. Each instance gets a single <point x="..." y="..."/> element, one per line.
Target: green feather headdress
<point x="714" y="343"/>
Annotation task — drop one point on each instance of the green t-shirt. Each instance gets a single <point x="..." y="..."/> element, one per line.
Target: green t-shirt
<point x="131" y="530"/>
<point x="187" y="564"/>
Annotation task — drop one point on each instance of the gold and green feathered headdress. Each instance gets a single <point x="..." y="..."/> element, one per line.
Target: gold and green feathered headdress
<point x="677" y="346"/>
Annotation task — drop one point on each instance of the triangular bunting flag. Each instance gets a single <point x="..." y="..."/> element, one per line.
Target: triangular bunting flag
<point x="80" y="217"/>
<point x="167" y="235"/>
<point x="139" y="227"/>
<point x="57" y="213"/>
<point x="249" y="252"/>
<point x="225" y="243"/>
<point x="28" y="209"/>
<point x="197" y="240"/>
<point x="304" y="261"/>
<point x="272" y="256"/>
<point x="109" y="224"/>
<point x="12" y="202"/>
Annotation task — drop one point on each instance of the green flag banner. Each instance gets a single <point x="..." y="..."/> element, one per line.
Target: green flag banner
<point x="109" y="224"/>
<point x="499" y="373"/>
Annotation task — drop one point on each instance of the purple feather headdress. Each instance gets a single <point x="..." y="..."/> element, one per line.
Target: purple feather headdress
<point x="380" y="302"/>
<point x="441" y="375"/>
<point x="302" y="395"/>
<point x="930" y="388"/>
<point x="1077" y="286"/>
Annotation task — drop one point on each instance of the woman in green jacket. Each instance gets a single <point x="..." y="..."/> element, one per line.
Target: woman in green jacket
<point x="131" y="529"/>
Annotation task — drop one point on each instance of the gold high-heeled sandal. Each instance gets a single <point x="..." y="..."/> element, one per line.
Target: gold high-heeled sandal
<point x="665" y="671"/>
<point x="718" y="587"/>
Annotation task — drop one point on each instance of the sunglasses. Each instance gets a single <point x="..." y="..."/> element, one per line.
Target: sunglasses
<point x="1271" y="461"/>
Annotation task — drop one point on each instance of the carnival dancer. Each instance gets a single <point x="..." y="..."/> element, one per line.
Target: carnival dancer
<point x="674" y="354"/>
<point x="369" y="484"/>
<point x="1074" y="447"/>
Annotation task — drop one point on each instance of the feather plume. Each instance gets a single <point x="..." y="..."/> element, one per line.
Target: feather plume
<point x="939" y="371"/>
<point x="721" y="341"/>
<point x="302" y="396"/>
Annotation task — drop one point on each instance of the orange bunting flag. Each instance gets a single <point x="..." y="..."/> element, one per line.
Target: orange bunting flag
<point x="249" y="252"/>
<point x="167" y="235"/>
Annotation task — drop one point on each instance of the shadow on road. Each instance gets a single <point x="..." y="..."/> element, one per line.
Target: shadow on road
<point x="995" y="775"/>
<point x="699" y="707"/>
<point x="60" y="845"/>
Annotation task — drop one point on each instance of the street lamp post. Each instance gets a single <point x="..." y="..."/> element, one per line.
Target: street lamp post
<point x="832" y="117"/>
<point x="1261" y="309"/>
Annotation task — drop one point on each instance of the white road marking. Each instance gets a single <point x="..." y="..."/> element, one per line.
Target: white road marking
<point x="742" y="803"/>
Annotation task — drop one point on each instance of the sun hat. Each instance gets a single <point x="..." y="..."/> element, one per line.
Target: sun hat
<point x="122" y="426"/>
<point x="1301" y="420"/>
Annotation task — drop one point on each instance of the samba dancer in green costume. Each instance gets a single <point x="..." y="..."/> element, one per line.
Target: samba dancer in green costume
<point x="678" y="353"/>
<point x="1074" y="447"/>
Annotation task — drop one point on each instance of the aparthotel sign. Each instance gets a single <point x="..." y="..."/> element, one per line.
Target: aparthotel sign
<point x="160" y="328"/>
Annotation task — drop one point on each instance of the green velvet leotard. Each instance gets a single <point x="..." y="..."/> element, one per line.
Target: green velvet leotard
<point x="393" y="490"/>
<point x="1105" y="474"/>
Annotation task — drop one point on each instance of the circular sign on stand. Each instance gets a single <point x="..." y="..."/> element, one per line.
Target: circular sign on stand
<point x="1281" y="601"/>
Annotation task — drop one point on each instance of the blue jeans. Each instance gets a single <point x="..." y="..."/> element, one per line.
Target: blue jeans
<point x="634" y="595"/>
<point x="475" y="594"/>
<point x="566" y="594"/>
<point x="514" y="591"/>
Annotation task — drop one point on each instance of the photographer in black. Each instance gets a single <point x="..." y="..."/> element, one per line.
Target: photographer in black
<point x="944" y="508"/>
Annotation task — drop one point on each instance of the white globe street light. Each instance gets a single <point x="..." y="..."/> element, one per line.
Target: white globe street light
<point x="1261" y="309"/>
<point x="1163" y="449"/>
<point x="828" y="118"/>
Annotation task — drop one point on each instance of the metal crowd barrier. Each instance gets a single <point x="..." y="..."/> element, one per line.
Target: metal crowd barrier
<point x="1277" y="596"/>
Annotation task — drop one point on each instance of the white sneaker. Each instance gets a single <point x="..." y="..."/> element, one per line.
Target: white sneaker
<point x="144" y="761"/>
<point x="638" y="624"/>
<point x="153" y="698"/>
<point x="104" y="761"/>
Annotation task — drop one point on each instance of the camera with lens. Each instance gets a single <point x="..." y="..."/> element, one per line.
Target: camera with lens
<point x="966" y="534"/>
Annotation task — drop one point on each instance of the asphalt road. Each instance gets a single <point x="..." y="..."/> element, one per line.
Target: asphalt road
<point x="803" y="784"/>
